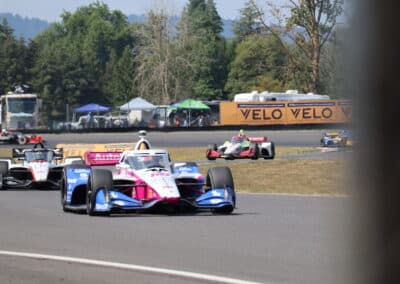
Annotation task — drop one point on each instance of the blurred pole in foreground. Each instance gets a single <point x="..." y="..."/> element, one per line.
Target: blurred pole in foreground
<point x="372" y="55"/>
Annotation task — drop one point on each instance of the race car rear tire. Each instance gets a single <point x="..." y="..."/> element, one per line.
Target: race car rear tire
<point x="221" y="177"/>
<point x="256" y="152"/>
<point x="22" y="140"/>
<point x="3" y="173"/>
<point x="99" y="179"/>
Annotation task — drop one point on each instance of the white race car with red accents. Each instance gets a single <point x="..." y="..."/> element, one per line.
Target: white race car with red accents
<point x="242" y="147"/>
<point x="36" y="167"/>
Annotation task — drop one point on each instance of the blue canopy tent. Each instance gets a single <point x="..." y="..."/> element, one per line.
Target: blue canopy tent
<point x="92" y="108"/>
<point x="89" y="109"/>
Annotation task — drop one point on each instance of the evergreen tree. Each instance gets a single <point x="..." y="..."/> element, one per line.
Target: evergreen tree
<point x="5" y="30"/>
<point x="119" y="78"/>
<point x="204" y="48"/>
<point x="13" y="56"/>
<point x="79" y="60"/>
<point x="215" y="21"/>
<point x="257" y="66"/>
<point x="249" y="21"/>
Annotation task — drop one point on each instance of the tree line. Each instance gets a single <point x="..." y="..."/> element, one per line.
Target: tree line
<point x="95" y="55"/>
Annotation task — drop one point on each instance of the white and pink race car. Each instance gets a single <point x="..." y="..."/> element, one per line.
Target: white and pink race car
<point x="145" y="180"/>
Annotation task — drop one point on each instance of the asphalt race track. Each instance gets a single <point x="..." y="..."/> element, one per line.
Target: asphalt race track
<point x="268" y="239"/>
<point x="189" y="138"/>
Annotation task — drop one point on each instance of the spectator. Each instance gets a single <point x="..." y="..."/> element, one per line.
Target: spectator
<point x="207" y="119"/>
<point x="89" y="120"/>
<point x="177" y="121"/>
<point x="172" y="117"/>
<point x="184" y="121"/>
<point x="200" y="120"/>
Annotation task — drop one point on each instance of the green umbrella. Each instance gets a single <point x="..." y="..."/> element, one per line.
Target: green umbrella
<point x="190" y="104"/>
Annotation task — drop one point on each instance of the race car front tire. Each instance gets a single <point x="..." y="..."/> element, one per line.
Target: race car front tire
<point x="99" y="179"/>
<point x="271" y="155"/>
<point x="3" y="173"/>
<point x="221" y="177"/>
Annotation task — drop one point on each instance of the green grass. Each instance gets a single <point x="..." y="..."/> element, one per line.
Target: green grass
<point x="5" y="152"/>
<point x="303" y="176"/>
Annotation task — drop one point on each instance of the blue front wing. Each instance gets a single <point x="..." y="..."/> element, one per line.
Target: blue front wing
<point x="109" y="200"/>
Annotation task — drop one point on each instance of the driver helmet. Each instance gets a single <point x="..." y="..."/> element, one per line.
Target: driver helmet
<point x="241" y="133"/>
<point x="145" y="161"/>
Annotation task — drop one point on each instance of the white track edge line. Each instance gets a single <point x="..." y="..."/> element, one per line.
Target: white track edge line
<point x="143" y="268"/>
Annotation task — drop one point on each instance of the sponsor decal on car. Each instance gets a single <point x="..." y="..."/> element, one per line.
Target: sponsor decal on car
<point x="101" y="206"/>
<point x="160" y="174"/>
<point x="119" y="202"/>
<point x="84" y="176"/>
<point x="77" y="171"/>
